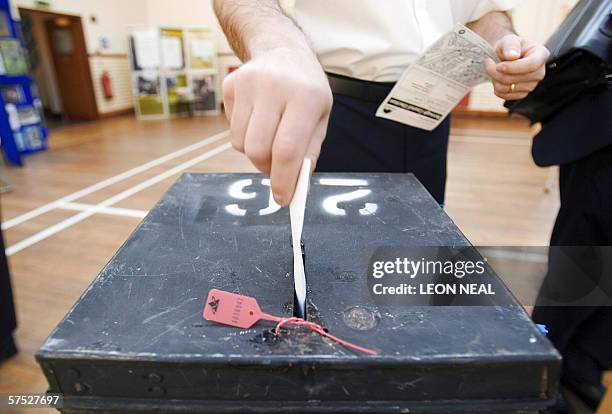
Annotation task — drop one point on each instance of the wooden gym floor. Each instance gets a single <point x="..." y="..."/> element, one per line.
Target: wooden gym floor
<point x="58" y="240"/>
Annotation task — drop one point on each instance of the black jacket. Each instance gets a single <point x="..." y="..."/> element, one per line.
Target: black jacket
<point x="576" y="131"/>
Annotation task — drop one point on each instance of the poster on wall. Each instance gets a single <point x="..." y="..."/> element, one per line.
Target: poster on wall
<point x="148" y="94"/>
<point x="179" y="99"/>
<point x="145" y="49"/>
<point x="172" y="49"/>
<point x="174" y="71"/>
<point x="205" y="99"/>
<point x="201" y="49"/>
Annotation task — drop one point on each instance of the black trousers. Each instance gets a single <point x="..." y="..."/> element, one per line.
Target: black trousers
<point x="358" y="141"/>
<point x="8" y="322"/>
<point x="583" y="335"/>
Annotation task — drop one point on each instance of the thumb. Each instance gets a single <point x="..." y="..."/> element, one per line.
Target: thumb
<point x="509" y="47"/>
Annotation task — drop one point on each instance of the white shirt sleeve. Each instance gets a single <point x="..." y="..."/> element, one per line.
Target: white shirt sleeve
<point x="465" y="11"/>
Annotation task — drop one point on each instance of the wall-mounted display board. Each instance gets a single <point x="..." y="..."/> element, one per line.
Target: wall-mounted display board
<point x="22" y="126"/>
<point x="174" y="71"/>
<point x="201" y="49"/>
<point x="148" y="93"/>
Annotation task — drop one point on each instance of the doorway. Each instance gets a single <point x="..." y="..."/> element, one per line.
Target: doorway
<point x="60" y="65"/>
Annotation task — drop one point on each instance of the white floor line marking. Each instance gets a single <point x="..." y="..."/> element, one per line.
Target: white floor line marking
<point x="521" y="256"/>
<point x="114" y="211"/>
<point x="492" y="133"/>
<point x="56" y="228"/>
<point x="526" y="142"/>
<point x="112" y="180"/>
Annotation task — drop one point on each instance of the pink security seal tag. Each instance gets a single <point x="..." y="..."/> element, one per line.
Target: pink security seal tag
<point x="235" y="310"/>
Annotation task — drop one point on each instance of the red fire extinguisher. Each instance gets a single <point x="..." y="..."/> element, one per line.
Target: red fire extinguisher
<point x="107" y="86"/>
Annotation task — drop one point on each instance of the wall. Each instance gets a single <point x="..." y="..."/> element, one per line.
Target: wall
<point x="106" y="42"/>
<point x="119" y="69"/>
<point x="192" y="13"/>
<point x="533" y="19"/>
<point x="113" y="17"/>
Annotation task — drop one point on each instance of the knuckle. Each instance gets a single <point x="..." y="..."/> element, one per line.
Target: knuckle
<point x="243" y="80"/>
<point x="227" y="99"/>
<point x="498" y="77"/>
<point x="498" y="87"/>
<point x="248" y="77"/>
<point x="237" y="144"/>
<point x="504" y="79"/>
<point x="228" y="81"/>
<point x="228" y="88"/>
<point x="283" y="151"/>
<point x="327" y="97"/>
<point x="227" y="92"/>
<point x="313" y="95"/>
<point x="256" y="152"/>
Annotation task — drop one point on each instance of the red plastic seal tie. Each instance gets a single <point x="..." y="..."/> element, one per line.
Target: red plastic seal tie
<point x="321" y="331"/>
<point x="243" y="312"/>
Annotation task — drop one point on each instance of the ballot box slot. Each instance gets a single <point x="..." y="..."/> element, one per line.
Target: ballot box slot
<point x="299" y="311"/>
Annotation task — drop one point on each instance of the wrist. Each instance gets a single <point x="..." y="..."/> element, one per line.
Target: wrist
<point x="283" y="37"/>
<point x="493" y="26"/>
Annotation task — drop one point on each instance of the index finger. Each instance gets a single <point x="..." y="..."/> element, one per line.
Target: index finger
<point x="288" y="150"/>
<point x="527" y="64"/>
<point x="228" y="95"/>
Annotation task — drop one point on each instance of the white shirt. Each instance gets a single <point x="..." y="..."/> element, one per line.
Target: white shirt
<point x="377" y="39"/>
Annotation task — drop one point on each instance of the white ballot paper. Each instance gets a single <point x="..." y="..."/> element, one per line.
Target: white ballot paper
<point x="296" y="213"/>
<point x="435" y="83"/>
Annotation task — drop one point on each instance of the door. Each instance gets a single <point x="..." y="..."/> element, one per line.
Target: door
<point x="69" y="54"/>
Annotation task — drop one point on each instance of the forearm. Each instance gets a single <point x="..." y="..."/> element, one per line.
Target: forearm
<point x="492" y="26"/>
<point x="256" y="26"/>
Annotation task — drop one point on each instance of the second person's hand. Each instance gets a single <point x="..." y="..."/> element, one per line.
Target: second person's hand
<point x="522" y="67"/>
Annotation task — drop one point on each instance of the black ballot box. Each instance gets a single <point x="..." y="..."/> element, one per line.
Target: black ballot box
<point x="136" y="339"/>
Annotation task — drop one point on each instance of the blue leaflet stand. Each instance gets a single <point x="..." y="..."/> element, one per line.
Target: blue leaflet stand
<point x="16" y="139"/>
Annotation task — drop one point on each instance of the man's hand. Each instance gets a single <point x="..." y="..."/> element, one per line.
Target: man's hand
<point x="278" y="102"/>
<point x="278" y="105"/>
<point x="522" y="66"/>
